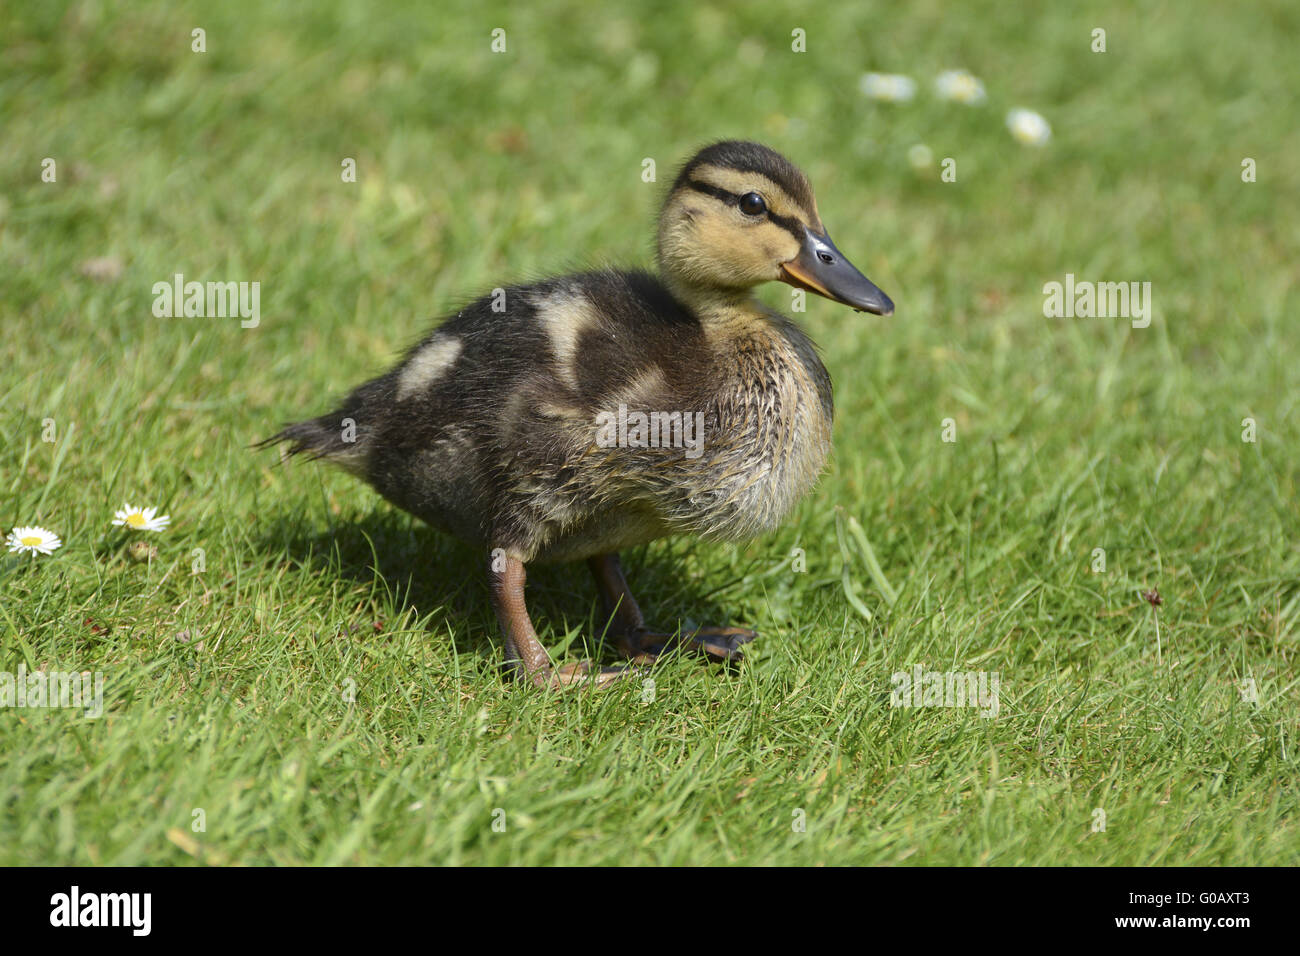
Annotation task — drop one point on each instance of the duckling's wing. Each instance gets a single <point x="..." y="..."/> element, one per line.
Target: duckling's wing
<point x="485" y="427"/>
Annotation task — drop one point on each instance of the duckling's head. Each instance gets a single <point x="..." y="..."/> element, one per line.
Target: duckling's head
<point x="740" y="214"/>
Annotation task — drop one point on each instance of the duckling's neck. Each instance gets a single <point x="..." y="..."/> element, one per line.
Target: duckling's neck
<point x="718" y="309"/>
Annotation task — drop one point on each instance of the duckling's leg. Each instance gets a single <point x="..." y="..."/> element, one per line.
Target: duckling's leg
<point x="524" y="652"/>
<point x="643" y="645"/>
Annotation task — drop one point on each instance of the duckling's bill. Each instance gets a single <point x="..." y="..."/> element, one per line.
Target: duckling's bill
<point x="822" y="268"/>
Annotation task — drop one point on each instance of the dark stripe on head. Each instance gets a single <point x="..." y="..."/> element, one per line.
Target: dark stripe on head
<point x="790" y="225"/>
<point x="717" y="192"/>
<point x="748" y="157"/>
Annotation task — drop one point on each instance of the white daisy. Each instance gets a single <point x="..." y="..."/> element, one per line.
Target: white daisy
<point x="33" y="541"/>
<point x="920" y="156"/>
<point x="1028" y="127"/>
<point x="887" y="87"/>
<point x="959" y="86"/>
<point x="141" y="519"/>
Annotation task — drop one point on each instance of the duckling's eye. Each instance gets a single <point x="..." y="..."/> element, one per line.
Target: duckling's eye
<point x="751" y="204"/>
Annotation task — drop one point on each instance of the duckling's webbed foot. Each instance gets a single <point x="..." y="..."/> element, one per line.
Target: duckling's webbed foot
<point x="643" y="645"/>
<point x="525" y="655"/>
<point x="719" y="644"/>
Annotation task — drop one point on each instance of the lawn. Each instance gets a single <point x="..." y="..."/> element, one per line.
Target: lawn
<point x="298" y="673"/>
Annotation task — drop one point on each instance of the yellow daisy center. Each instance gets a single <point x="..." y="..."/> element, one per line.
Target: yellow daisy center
<point x="30" y="541"/>
<point x="135" y="520"/>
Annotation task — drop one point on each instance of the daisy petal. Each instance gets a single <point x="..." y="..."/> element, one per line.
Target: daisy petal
<point x="1029" y="127"/>
<point x="33" y="541"/>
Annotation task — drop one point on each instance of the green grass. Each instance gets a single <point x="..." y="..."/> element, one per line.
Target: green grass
<point x="477" y="169"/>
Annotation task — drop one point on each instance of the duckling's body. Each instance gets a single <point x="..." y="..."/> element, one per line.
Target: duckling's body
<point x="516" y="424"/>
<point x="486" y="429"/>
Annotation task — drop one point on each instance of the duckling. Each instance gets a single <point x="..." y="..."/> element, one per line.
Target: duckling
<point x="575" y="417"/>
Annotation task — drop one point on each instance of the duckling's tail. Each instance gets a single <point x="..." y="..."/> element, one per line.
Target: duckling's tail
<point x="337" y="436"/>
<point x="324" y="437"/>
